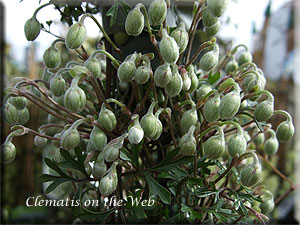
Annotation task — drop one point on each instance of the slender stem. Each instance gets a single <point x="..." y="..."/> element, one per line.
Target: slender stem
<point x="103" y="31"/>
<point x="203" y="46"/>
<point x="286" y="114"/>
<point x="232" y="164"/>
<point x="39" y="8"/>
<point x="99" y="51"/>
<point x="141" y="6"/>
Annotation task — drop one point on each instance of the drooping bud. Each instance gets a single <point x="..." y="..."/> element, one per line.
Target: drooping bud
<point x="75" y="97"/>
<point x="245" y="57"/>
<point x="264" y="110"/>
<point x="159" y="126"/>
<point x="229" y="105"/>
<point x="109" y="182"/>
<point x="142" y="73"/>
<point x="127" y="69"/>
<point x="162" y="75"/>
<point x="169" y="49"/>
<point x="271" y="145"/>
<point x="187" y="143"/>
<point x="194" y="79"/>
<point x="237" y="143"/>
<point x="214" y="147"/>
<point x="70" y="138"/>
<point x="231" y="66"/>
<point x="148" y="122"/>
<point x="213" y="30"/>
<point x="217" y="7"/>
<point x="285" y="131"/>
<point x="121" y="37"/>
<point x="76" y="35"/>
<point x="112" y="149"/>
<point x="211" y="108"/>
<point x="259" y="139"/>
<point x="107" y="119"/>
<point x="23" y="116"/>
<point x="134" y="23"/>
<point x="19" y="102"/>
<point x="157" y="12"/>
<point x="40" y="141"/>
<point x="93" y="65"/>
<point x="52" y="57"/>
<point x="136" y="133"/>
<point x="268" y="204"/>
<point x="100" y="167"/>
<point x="32" y="29"/>
<point x="181" y="37"/>
<point x="47" y="75"/>
<point x="8" y="150"/>
<point x="174" y="87"/>
<point x="57" y="85"/>
<point x="98" y="138"/>
<point x="186" y="80"/>
<point x="251" y="174"/>
<point x="207" y="18"/>
<point x="208" y="61"/>
<point x="189" y="118"/>
<point x="203" y="90"/>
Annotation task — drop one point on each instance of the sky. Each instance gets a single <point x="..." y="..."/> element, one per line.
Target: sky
<point x="243" y="14"/>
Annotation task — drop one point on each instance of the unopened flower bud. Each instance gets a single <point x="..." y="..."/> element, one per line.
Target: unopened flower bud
<point x="76" y="35"/>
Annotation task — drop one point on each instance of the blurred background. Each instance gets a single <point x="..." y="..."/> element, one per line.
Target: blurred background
<point x="268" y="27"/>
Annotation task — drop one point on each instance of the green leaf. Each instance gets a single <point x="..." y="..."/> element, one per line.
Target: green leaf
<point x="47" y="177"/>
<point x="213" y="78"/>
<point x="125" y="7"/>
<point x="71" y="162"/>
<point x="156" y="189"/>
<point x="135" y="151"/>
<point x="126" y="156"/>
<point x="52" y="164"/>
<point x="170" y="165"/>
<point x="55" y="183"/>
<point x="113" y="13"/>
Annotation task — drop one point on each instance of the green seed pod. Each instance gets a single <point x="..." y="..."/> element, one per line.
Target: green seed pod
<point x="121" y="37"/>
<point x="213" y="30"/>
<point x="181" y="37"/>
<point x="76" y="35"/>
<point x="23" y="116"/>
<point x="259" y="139"/>
<point x="109" y="182"/>
<point x="107" y="119"/>
<point x="174" y="87"/>
<point x="8" y="152"/>
<point x="157" y="12"/>
<point x="134" y="23"/>
<point x="231" y="66"/>
<point x="229" y="105"/>
<point x="268" y="204"/>
<point x="10" y="113"/>
<point x="237" y="144"/>
<point x="189" y="118"/>
<point x="57" y="85"/>
<point x="162" y="75"/>
<point x="203" y="90"/>
<point x="217" y="7"/>
<point x="98" y="138"/>
<point x="264" y="111"/>
<point x="40" y="141"/>
<point x="32" y="29"/>
<point x="127" y="69"/>
<point x="271" y="145"/>
<point x="169" y="49"/>
<point x="285" y="131"/>
<point x="47" y="75"/>
<point x="112" y="149"/>
<point x="207" y="18"/>
<point x="245" y="57"/>
<point x="142" y="74"/>
<point x="214" y="147"/>
<point x="99" y="168"/>
<point x="208" y="61"/>
<point x="136" y="133"/>
<point x="70" y="139"/>
<point x="186" y="81"/>
<point x="51" y="57"/>
<point x="187" y="143"/>
<point x="19" y="102"/>
<point x="194" y="79"/>
<point x="251" y="174"/>
<point x="75" y="99"/>
<point x="211" y="108"/>
<point x="94" y="66"/>
<point x="148" y="122"/>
